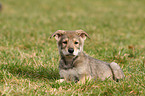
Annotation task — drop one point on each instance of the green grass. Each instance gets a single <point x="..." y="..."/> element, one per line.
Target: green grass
<point x="29" y="59"/>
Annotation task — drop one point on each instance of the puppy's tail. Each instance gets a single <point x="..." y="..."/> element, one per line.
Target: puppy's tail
<point x="117" y="72"/>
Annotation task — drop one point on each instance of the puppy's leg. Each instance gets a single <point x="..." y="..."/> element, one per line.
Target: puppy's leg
<point x="83" y="78"/>
<point x="69" y="75"/>
<point x="117" y="72"/>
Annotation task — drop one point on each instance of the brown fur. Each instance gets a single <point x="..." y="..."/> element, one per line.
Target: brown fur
<point x="75" y="65"/>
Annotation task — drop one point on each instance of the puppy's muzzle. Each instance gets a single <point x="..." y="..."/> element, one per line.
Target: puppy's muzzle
<point x="70" y="50"/>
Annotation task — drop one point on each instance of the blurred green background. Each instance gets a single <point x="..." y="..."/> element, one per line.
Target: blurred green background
<point x="29" y="59"/>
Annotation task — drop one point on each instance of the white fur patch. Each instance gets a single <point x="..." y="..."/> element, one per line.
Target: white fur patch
<point x="76" y="52"/>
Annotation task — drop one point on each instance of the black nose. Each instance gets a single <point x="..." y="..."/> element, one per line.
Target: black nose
<point x="70" y="50"/>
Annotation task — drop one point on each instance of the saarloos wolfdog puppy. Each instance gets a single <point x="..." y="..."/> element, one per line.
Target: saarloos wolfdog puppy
<point x="75" y="65"/>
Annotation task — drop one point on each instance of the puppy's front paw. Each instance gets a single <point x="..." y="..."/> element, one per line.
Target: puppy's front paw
<point x="84" y="78"/>
<point x="60" y="80"/>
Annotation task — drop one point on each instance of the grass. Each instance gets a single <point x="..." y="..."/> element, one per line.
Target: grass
<point x="29" y="59"/>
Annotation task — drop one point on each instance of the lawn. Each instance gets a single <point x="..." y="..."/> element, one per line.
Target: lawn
<point x="29" y="58"/>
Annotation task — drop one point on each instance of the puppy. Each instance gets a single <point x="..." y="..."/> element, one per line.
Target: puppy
<point x="75" y="65"/>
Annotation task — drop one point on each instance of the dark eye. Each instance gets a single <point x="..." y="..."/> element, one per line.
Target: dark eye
<point x="64" y="42"/>
<point x="76" y="42"/>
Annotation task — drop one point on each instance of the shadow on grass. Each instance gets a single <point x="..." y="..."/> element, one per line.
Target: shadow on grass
<point x="31" y="72"/>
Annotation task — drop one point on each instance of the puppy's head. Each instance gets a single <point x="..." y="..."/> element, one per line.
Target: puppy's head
<point x="70" y="43"/>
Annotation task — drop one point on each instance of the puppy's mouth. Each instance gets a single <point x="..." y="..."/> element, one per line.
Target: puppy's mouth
<point x="70" y="54"/>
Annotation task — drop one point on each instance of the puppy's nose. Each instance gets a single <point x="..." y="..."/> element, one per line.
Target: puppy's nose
<point x="70" y="50"/>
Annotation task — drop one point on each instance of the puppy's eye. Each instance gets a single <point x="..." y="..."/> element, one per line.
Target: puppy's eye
<point x="64" y="42"/>
<point x="76" y="42"/>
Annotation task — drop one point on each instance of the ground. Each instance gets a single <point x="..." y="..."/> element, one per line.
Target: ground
<point x="29" y="58"/>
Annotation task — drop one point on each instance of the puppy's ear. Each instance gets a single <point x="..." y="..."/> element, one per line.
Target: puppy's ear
<point x="58" y="34"/>
<point x="82" y="34"/>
